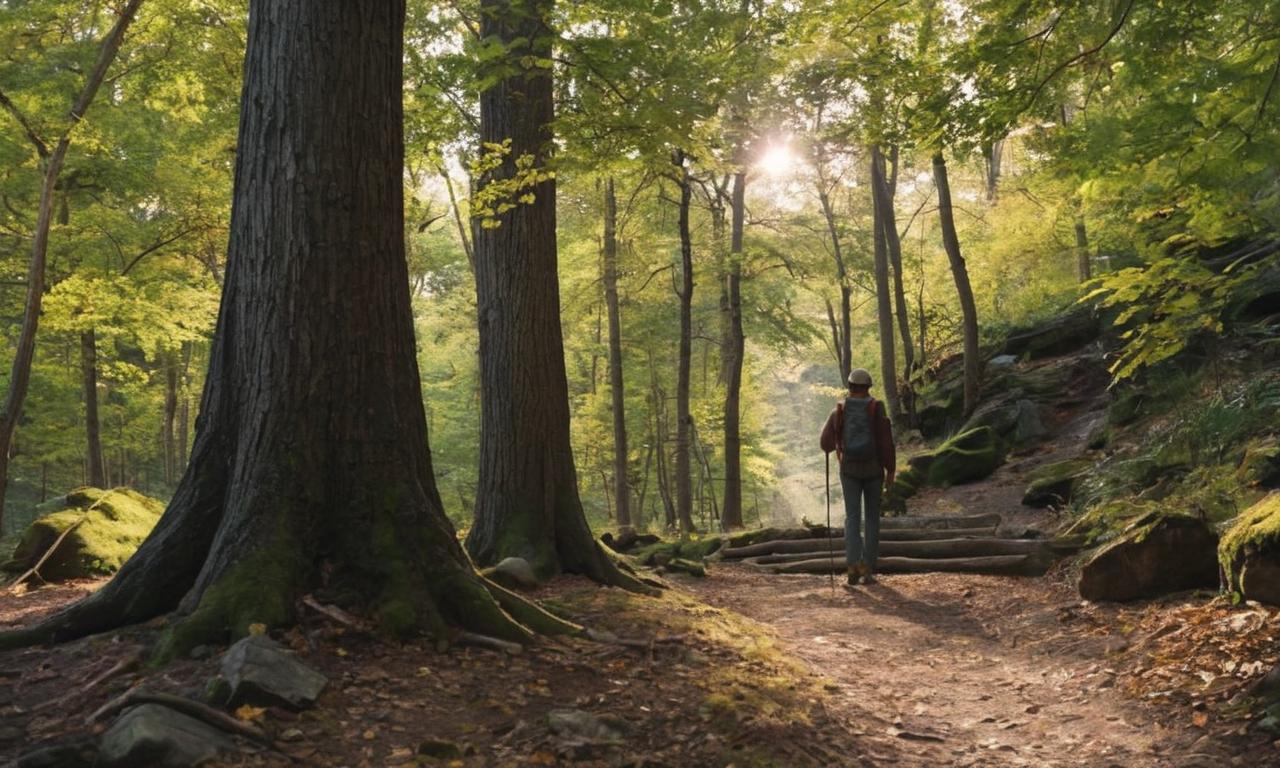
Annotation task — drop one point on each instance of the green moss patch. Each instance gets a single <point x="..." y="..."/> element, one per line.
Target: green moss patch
<point x="1056" y="483"/>
<point x="1252" y="543"/>
<point x="965" y="458"/>
<point x="99" y="545"/>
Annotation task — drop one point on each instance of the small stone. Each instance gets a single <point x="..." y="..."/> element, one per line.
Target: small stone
<point x="292" y="734"/>
<point x="201" y="652"/>
<point x="440" y="749"/>
<point x="261" y="672"/>
<point x="217" y="692"/>
<point x="579" y="727"/>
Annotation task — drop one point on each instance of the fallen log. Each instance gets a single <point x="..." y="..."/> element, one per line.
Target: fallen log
<point x="998" y="565"/>
<point x="942" y="549"/>
<point x="941" y="521"/>
<point x="759" y="535"/>
<point x="785" y="546"/>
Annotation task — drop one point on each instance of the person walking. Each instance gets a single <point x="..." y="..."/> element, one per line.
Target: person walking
<point x="860" y="433"/>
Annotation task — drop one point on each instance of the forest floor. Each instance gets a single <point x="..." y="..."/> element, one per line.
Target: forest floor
<point x="747" y="669"/>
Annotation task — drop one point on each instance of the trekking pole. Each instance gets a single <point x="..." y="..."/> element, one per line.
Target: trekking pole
<point x="831" y="553"/>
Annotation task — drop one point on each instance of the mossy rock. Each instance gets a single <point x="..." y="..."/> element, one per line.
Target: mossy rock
<point x="1157" y="554"/>
<point x="1063" y="334"/>
<point x="968" y="457"/>
<point x="1260" y="464"/>
<point x="98" y="546"/>
<point x="905" y="485"/>
<point x="1017" y="422"/>
<point x="1056" y="483"/>
<point x="1250" y="552"/>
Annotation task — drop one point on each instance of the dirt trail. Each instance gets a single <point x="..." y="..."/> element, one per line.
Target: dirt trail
<point x="934" y="670"/>
<point x="958" y="670"/>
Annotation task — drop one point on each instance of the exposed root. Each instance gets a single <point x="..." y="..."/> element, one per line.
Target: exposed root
<point x="529" y="613"/>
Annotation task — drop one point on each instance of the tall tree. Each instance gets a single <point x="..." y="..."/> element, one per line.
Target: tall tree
<point x="310" y="469"/>
<point x="960" y="274"/>
<point x="884" y="296"/>
<point x="684" y="418"/>
<point x="734" y="353"/>
<point x="54" y="159"/>
<point x="617" y="385"/>
<point x="527" y="502"/>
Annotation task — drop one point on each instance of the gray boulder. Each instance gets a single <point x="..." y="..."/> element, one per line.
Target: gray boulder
<point x="153" y="735"/>
<point x="578" y="727"/>
<point x="259" y="671"/>
<point x="513" y="573"/>
<point x="1063" y="334"/>
<point x="1155" y="555"/>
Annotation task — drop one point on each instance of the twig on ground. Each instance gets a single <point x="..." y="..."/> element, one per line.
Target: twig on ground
<point x="127" y="664"/>
<point x="462" y="637"/>
<point x="35" y="569"/>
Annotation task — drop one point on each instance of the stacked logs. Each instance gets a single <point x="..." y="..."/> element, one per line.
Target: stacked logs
<point x="967" y="544"/>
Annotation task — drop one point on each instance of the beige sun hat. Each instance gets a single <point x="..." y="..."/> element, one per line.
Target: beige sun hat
<point x="859" y="377"/>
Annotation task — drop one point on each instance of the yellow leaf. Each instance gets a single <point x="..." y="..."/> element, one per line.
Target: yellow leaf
<point x="370" y="735"/>
<point x="257" y="629"/>
<point x="250" y="714"/>
<point x="342" y="651"/>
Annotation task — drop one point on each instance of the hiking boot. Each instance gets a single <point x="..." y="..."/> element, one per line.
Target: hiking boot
<point x="851" y="579"/>
<point x="869" y="578"/>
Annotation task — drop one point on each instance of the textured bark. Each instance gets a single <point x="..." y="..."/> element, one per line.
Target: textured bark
<point x="20" y="371"/>
<point x="1084" y="270"/>
<point x="884" y="191"/>
<point x="960" y="274"/>
<point x="993" y="159"/>
<point x="731" y="514"/>
<point x="684" y="473"/>
<point x="92" y="426"/>
<point x="310" y="469"/>
<point x="884" y="298"/>
<point x="840" y="327"/>
<point x="617" y="390"/>
<point x="171" y="468"/>
<point x="527" y="502"/>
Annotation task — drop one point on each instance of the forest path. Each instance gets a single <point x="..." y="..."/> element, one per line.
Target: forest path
<point x="956" y="670"/>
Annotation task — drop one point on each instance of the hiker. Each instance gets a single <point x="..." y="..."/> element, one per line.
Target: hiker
<point x="858" y="430"/>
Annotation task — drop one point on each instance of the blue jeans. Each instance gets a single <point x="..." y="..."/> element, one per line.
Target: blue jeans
<point x="856" y="490"/>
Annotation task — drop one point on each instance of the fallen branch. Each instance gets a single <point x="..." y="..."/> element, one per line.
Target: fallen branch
<point x="787" y="546"/>
<point x="127" y="664"/>
<point x="35" y="569"/>
<point x="334" y="612"/>
<point x="941" y="549"/>
<point x="1001" y="565"/>
<point x="463" y="637"/>
<point x="202" y="712"/>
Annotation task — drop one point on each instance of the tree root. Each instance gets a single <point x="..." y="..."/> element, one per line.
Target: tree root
<point x="202" y="712"/>
<point x="529" y="613"/>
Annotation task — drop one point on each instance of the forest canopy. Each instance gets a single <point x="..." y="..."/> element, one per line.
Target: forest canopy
<point x="769" y="172"/>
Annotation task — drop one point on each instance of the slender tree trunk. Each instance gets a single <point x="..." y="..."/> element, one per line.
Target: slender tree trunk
<point x="171" y="468"/>
<point x="969" y="311"/>
<point x="617" y="391"/>
<point x="92" y="425"/>
<point x="888" y="223"/>
<point x="527" y="502"/>
<point x="731" y="516"/>
<point x="660" y="431"/>
<point x="684" y="478"/>
<point x="993" y="157"/>
<point x="884" y="298"/>
<point x="841" y="334"/>
<point x="20" y="372"/>
<point x="457" y="219"/>
<point x="1084" y="270"/>
<point x="184" y="410"/>
<point x="310" y="470"/>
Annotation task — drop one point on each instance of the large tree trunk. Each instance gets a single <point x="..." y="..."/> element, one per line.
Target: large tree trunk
<point x="684" y="479"/>
<point x="884" y="299"/>
<point x="92" y="426"/>
<point x="310" y="469"/>
<point x="617" y="393"/>
<point x="731" y="516"/>
<point x="960" y="274"/>
<point x="527" y="502"/>
<point x="20" y="372"/>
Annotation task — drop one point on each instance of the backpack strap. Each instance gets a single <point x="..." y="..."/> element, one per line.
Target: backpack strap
<point x="840" y="430"/>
